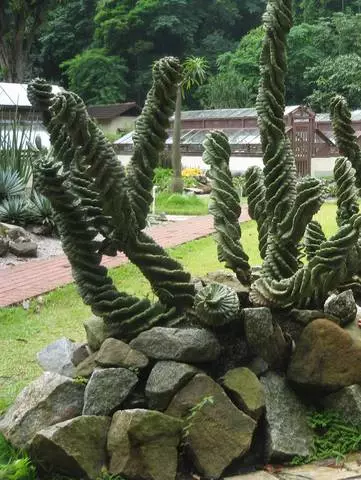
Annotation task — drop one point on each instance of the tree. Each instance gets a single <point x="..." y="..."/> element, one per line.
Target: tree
<point x="339" y="75"/>
<point x="236" y="83"/>
<point x="226" y="90"/>
<point x="20" y="23"/>
<point x="97" y="77"/>
<point x="68" y="31"/>
<point x="194" y="73"/>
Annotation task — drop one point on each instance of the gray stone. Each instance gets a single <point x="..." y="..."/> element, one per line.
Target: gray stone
<point x="4" y="246"/>
<point x="14" y="232"/>
<point x="96" y="332"/>
<point x="189" y="345"/>
<point x="50" y="399"/>
<point x="115" y="353"/>
<point x="57" y="357"/>
<point x="258" y="366"/>
<point x="265" y="337"/>
<point x="142" y="444"/>
<point x="288" y="432"/>
<point x="23" y="249"/>
<point x="246" y="391"/>
<point x="76" y="447"/>
<point x="165" y="379"/>
<point x="342" y="306"/>
<point x="347" y="402"/>
<point x="86" y="367"/>
<point x="218" y="432"/>
<point x="107" y="389"/>
<point x="80" y="353"/>
<point x="326" y="358"/>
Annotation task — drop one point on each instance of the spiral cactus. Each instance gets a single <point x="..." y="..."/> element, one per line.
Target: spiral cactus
<point x="225" y="206"/>
<point x="313" y="239"/>
<point x="150" y="135"/>
<point x="256" y="196"/>
<point x="311" y="284"/>
<point x="216" y="305"/>
<point x="93" y="195"/>
<point x="346" y="140"/>
<point x="125" y="315"/>
<point x="347" y="195"/>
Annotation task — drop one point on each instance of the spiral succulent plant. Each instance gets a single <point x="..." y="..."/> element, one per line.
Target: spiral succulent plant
<point x="91" y="194"/>
<point x="216" y="305"/>
<point x="282" y="206"/>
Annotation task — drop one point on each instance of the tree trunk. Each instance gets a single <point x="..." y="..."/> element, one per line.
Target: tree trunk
<point x="177" y="183"/>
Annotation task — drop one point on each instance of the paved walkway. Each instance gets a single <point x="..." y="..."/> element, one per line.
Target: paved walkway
<point x="36" y="277"/>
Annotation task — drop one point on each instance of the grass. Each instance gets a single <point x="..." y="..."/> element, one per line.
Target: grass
<point x="178" y="204"/>
<point x="333" y="437"/>
<point x="25" y="332"/>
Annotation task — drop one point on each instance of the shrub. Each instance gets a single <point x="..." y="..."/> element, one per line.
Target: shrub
<point x="40" y="211"/>
<point x="11" y="185"/>
<point x="15" y="210"/>
<point x="162" y="178"/>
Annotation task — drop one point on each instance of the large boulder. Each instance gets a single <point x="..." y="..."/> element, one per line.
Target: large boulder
<point x="76" y="447"/>
<point x="288" y="432"/>
<point x="246" y="391"/>
<point x="218" y="432"/>
<point x="143" y="444"/>
<point x="164" y="381"/>
<point x="326" y="358"/>
<point x="347" y="402"/>
<point x="265" y="337"/>
<point x="23" y="249"/>
<point x="189" y="345"/>
<point x="115" y="353"/>
<point x="107" y="389"/>
<point x="50" y="399"/>
<point x="342" y="306"/>
<point x="57" y="357"/>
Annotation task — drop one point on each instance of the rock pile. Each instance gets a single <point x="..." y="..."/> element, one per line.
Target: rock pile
<point x="158" y="405"/>
<point x="16" y="240"/>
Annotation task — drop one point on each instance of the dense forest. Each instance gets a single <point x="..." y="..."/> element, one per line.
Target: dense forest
<point x="104" y="49"/>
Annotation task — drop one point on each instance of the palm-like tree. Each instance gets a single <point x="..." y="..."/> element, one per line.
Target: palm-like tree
<point x="194" y="74"/>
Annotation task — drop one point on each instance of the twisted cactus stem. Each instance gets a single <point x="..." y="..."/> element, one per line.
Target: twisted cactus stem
<point x="346" y="139"/>
<point x="125" y="315"/>
<point x="325" y="271"/>
<point x="346" y="192"/>
<point x="289" y="208"/>
<point x="256" y="196"/>
<point x="225" y="206"/>
<point x="313" y="239"/>
<point x="165" y="275"/>
<point x="150" y="135"/>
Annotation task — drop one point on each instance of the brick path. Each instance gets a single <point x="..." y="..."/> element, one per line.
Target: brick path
<point x="36" y="277"/>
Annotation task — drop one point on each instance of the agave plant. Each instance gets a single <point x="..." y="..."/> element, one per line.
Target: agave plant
<point x="40" y="211"/>
<point x="11" y="184"/>
<point x="15" y="210"/>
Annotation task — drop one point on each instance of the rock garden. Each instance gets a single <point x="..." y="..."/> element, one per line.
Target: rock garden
<point x="218" y="376"/>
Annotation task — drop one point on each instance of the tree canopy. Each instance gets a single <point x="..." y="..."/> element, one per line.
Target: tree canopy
<point x="104" y="49"/>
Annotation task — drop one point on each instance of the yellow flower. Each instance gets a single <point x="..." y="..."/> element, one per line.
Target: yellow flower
<point x="191" y="172"/>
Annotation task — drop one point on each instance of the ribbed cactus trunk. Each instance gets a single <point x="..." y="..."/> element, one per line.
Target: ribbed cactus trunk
<point x="92" y="194"/>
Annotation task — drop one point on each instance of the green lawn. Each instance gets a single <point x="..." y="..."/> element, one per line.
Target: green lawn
<point x="23" y="333"/>
<point x="178" y="204"/>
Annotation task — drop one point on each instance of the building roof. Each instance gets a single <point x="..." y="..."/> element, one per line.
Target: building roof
<point x="107" y="112"/>
<point x="326" y="117"/>
<point x="236" y="136"/>
<point x="14" y="95"/>
<point x="228" y="113"/>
